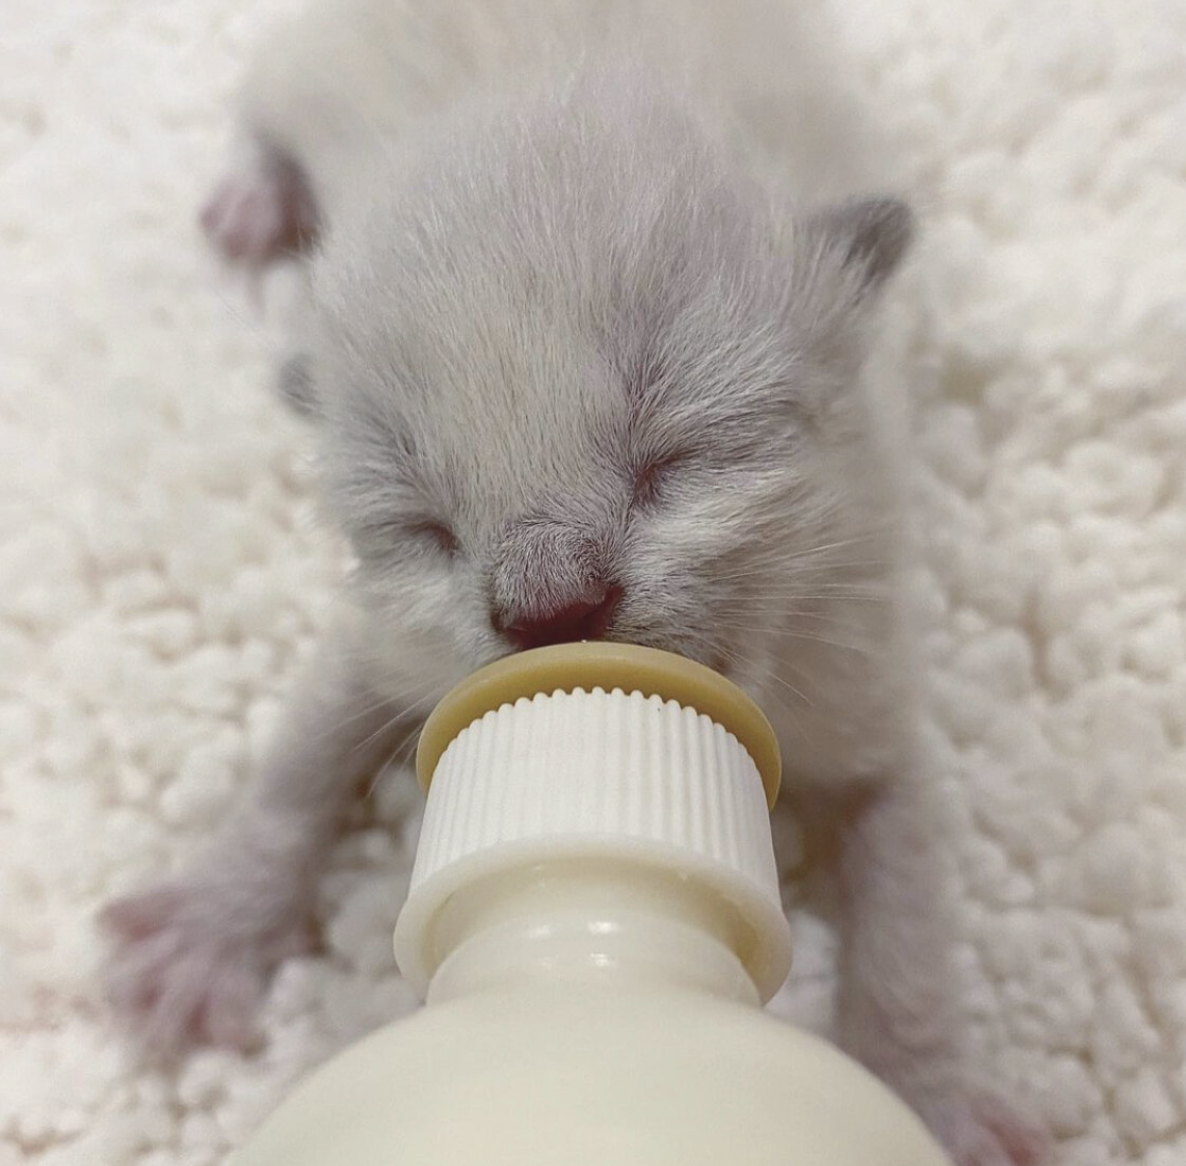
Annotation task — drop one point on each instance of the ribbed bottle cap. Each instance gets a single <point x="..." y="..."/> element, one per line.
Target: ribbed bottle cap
<point x="599" y="750"/>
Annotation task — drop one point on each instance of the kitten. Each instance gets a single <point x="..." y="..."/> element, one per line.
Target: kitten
<point x="589" y="296"/>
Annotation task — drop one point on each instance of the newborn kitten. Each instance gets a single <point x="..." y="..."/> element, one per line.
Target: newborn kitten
<point x="584" y="343"/>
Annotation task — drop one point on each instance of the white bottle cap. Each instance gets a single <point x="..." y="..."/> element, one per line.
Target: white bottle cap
<point x="599" y="751"/>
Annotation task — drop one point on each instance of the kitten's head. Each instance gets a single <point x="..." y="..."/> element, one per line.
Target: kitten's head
<point x="577" y="380"/>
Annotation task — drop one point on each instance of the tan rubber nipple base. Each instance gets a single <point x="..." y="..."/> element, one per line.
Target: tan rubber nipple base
<point x="565" y="667"/>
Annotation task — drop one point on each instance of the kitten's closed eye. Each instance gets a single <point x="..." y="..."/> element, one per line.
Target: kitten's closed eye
<point x="652" y="474"/>
<point x="386" y="538"/>
<point x="435" y="534"/>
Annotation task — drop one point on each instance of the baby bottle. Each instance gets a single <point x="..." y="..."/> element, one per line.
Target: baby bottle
<point x="594" y="925"/>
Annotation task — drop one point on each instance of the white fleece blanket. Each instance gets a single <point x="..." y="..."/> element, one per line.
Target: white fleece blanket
<point x="161" y="573"/>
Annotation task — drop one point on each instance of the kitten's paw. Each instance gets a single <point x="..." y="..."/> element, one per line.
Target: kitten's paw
<point x="185" y="969"/>
<point x="262" y="210"/>
<point x="978" y="1128"/>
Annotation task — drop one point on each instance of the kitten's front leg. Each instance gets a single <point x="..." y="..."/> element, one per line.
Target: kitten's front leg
<point x="192" y="955"/>
<point x="897" y="1007"/>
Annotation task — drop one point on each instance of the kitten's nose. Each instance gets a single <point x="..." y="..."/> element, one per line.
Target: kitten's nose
<point x="584" y="619"/>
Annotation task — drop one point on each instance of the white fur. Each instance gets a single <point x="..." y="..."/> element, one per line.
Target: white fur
<point x="777" y="96"/>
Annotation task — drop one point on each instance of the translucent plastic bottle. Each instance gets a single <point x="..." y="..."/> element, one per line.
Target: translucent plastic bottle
<point x="594" y="923"/>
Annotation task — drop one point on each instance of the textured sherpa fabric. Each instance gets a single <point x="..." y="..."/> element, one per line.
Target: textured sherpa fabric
<point x="161" y="572"/>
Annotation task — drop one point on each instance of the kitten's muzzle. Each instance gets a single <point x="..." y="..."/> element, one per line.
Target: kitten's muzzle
<point x="587" y="618"/>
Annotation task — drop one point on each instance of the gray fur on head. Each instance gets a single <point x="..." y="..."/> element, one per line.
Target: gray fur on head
<point x="573" y="349"/>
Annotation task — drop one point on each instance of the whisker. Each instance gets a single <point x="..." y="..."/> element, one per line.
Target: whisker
<point x="783" y="703"/>
<point x="401" y="715"/>
<point x="783" y="613"/>
<point x="791" y="634"/>
<point x="398" y="758"/>
<point x="807" y="596"/>
<point x="777" y="553"/>
<point x="734" y="658"/>
<point x="776" y="558"/>
<point x="763" y="570"/>
<point x="382" y="769"/>
<point x="395" y="700"/>
<point x="359" y="714"/>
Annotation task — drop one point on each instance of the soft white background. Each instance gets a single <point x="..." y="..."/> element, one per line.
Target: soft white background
<point x="161" y="571"/>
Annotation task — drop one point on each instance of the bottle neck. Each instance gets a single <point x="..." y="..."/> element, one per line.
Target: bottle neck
<point x="579" y="923"/>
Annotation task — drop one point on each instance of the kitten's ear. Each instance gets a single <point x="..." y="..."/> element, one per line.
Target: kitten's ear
<point x="843" y="256"/>
<point x="867" y="237"/>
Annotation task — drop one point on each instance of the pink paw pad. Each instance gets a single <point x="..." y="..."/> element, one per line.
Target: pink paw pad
<point x="181" y="975"/>
<point x="981" y="1129"/>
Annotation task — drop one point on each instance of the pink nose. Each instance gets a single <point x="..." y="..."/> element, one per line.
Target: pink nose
<point x="587" y="619"/>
